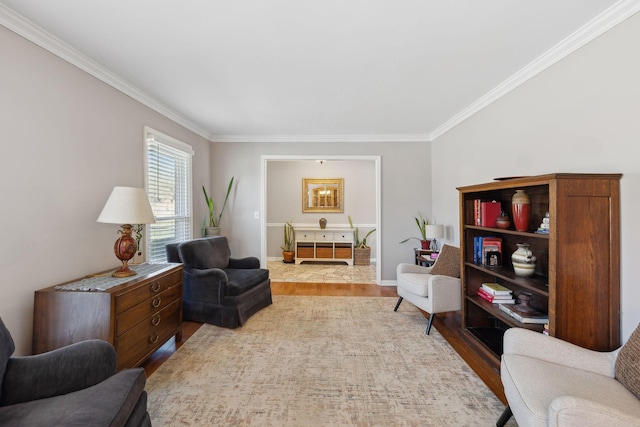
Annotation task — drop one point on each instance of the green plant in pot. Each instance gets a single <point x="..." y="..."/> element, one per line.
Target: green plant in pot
<point x="213" y="229"/>
<point x="422" y="223"/>
<point x="361" y="252"/>
<point x="287" y="249"/>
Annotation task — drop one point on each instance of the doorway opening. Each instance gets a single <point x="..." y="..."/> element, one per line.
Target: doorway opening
<point x="281" y="201"/>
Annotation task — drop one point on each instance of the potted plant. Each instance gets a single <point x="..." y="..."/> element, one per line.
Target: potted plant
<point x="287" y="249"/>
<point x="214" y="220"/>
<point x="361" y="252"/>
<point x="422" y="223"/>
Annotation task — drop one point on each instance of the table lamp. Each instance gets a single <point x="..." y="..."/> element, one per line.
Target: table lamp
<point x="434" y="232"/>
<point x="126" y="206"/>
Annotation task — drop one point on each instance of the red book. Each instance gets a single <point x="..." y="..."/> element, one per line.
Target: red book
<point x="489" y="212"/>
<point x="485" y="295"/>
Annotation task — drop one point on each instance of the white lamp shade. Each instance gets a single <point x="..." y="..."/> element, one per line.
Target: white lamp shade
<point x="127" y="205"/>
<point x="434" y="231"/>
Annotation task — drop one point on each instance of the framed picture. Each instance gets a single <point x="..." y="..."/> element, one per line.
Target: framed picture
<point x="322" y="194"/>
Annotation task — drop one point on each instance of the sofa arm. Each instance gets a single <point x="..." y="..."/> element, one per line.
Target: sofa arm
<point x="534" y="344"/>
<point x="208" y="285"/>
<point x="569" y="411"/>
<point x="248" y="262"/>
<point x="411" y="268"/>
<point x="65" y="370"/>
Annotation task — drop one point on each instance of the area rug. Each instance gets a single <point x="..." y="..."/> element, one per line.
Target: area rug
<point x="321" y="361"/>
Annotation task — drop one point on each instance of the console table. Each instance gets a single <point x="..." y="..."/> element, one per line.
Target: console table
<point x="137" y="314"/>
<point x="329" y="244"/>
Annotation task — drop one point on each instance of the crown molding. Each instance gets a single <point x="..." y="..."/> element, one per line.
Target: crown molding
<point x="600" y="24"/>
<point x="25" y="28"/>
<point x="321" y="138"/>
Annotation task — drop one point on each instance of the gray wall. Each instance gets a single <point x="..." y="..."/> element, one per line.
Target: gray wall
<point x="581" y="115"/>
<point x="67" y="140"/>
<point x="406" y="189"/>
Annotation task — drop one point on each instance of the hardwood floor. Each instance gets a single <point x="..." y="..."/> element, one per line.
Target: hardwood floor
<point x="447" y="324"/>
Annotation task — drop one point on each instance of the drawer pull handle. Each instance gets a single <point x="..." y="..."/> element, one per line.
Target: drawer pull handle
<point x="156" y="302"/>
<point x="155" y="320"/>
<point x="155" y="286"/>
<point x="154" y="338"/>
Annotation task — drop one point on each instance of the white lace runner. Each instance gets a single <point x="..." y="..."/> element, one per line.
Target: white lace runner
<point x="103" y="282"/>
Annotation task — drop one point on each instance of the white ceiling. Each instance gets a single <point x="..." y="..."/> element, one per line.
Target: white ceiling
<point x="365" y="69"/>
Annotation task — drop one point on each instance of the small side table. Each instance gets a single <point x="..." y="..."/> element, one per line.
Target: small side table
<point x="423" y="257"/>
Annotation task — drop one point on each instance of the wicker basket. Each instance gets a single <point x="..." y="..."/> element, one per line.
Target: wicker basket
<point x="361" y="256"/>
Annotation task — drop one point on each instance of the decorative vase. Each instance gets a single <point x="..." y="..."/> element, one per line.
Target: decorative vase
<point x="524" y="263"/>
<point x="503" y="222"/>
<point x="521" y="210"/>
<point x="323" y="223"/>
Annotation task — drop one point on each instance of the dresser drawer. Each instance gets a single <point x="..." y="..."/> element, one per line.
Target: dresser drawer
<point x="345" y="236"/>
<point x="322" y="236"/>
<point x="127" y="300"/>
<point x="138" y="342"/>
<point x="305" y="236"/>
<point x="145" y="309"/>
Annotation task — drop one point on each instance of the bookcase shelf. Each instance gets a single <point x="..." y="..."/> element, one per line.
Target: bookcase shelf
<point x="577" y="276"/>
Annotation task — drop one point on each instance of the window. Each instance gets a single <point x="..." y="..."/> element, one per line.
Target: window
<point x="168" y="184"/>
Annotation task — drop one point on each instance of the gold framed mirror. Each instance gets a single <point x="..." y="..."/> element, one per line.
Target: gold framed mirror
<point x="322" y="194"/>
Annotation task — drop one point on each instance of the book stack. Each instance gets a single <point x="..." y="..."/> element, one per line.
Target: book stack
<point x="496" y="293"/>
<point x="485" y="213"/>
<point x="525" y="316"/>
<point x="487" y="251"/>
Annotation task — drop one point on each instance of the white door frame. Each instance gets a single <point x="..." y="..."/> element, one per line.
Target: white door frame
<point x="263" y="199"/>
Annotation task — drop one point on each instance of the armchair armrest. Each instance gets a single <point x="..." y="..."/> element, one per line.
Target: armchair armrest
<point x="65" y="370"/>
<point x="205" y="285"/>
<point x="412" y="268"/>
<point x="446" y="293"/>
<point x="574" y="411"/>
<point x="248" y="262"/>
<point x="533" y="344"/>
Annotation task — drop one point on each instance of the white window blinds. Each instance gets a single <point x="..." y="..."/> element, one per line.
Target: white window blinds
<point x="168" y="184"/>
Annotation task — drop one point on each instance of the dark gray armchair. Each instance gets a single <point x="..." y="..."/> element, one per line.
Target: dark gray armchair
<point x="76" y="385"/>
<point x="218" y="289"/>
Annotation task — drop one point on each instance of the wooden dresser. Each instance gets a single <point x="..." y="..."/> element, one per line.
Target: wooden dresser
<point x="136" y="315"/>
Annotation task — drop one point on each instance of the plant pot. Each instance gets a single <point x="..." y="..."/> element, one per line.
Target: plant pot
<point x="362" y="256"/>
<point x="424" y="244"/>
<point x="212" y="231"/>
<point x="287" y="256"/>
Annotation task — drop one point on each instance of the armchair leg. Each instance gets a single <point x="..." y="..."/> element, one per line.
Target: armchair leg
<point x="430" y="322"/>
<point x="398" y="304"/>
<point x="504" y="417"/>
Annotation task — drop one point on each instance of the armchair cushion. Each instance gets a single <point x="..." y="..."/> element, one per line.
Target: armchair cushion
<point x="628" y="364"/>
<point x="61" y="371"/>
<point x="202" y="254"/>
<point x="241" y="280"/>
<point x="448" y="262"/>
<point x="7" y="347"/>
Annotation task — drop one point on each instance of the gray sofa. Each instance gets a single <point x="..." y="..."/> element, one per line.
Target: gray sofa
<point x="76" y="385"/>
<point x="219" y="289"/>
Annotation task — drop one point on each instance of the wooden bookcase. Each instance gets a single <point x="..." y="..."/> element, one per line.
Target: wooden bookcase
<point x="577" y="274"/>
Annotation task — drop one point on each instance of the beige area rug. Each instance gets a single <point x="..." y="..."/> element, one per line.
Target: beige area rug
<point x="321" y="361"/>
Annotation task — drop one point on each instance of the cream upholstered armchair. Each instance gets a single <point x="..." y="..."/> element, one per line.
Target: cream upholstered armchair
<point x="550" y="382"/>
<point x="433" y="289"/>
